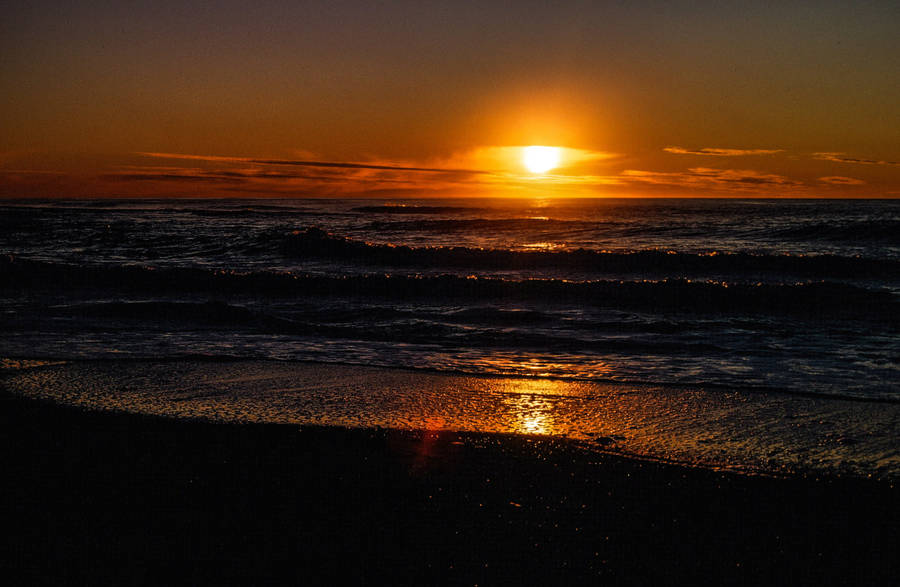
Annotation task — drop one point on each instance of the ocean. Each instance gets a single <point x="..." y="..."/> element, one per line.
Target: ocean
<point x="770" y="298"/>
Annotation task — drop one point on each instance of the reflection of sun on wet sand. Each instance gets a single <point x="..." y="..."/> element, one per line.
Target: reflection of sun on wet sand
<point x="533" y="419"/>
<point x="532" y="412"/>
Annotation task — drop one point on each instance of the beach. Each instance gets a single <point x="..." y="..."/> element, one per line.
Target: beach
<point x="109" y="497"/>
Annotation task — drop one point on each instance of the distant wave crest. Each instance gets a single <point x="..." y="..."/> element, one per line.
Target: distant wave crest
<point x="416" y="209"/>
<point x="317" y="243"/>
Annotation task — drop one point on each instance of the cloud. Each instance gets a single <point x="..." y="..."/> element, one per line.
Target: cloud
<point x="720" y="152"/>
<point x="306" y="163"/>
<point x="131" y="176"/>
<point x="30" y="172"/>
<point x="227" y="176"/>
<point x="844" y="158"/>
<point x="211" y="175"/>
<point x="709" y="178"/>
<point x="841" y="180"/>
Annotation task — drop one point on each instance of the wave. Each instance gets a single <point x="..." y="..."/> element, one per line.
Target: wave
<point x="864" y="231"/>
<point x="602" y="228"/>
<point x="817" y="299"/>
<point x="26" y="210"/>
<point x="316" y="243"/>
<point x="416" y="209"/>
<point x="249" y="212"/>
<point x="882" y="232"/>
<point x="480" y="225"/>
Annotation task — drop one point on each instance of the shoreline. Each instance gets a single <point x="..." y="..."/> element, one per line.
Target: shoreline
<point x="738" y="430"/>
<point x="94" y="497"/>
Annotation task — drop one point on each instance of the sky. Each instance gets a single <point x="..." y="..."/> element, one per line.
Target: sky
<point x="416" y="99"/>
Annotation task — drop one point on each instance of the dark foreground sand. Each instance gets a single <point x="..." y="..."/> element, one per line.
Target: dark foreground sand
<point x="100" y="498"/>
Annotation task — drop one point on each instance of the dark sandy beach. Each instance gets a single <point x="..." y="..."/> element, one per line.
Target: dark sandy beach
<point x="106" y="498"/>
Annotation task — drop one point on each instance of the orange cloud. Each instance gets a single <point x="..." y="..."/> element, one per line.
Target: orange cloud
<point x="740" y="180"/>
<point x="841" y="180"/>
<point x="843" y="158"/>
<point x="720" y="152"/>
<point x="304" y="163"/>
<point x="222" y="176"/>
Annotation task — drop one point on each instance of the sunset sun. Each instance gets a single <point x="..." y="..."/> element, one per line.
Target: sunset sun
<point x="540" y="159"/>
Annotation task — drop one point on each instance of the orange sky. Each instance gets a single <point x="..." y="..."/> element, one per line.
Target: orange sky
<point x="433" y="99"/>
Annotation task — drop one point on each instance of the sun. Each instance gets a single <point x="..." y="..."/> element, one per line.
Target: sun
<point x="540" y="159"/>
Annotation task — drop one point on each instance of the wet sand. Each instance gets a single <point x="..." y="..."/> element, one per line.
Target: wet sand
<point x="736" y="429"/>
<point x="112" y="498"/>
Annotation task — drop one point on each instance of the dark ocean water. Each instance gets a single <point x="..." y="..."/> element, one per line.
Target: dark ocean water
<point x="777" y="295"/>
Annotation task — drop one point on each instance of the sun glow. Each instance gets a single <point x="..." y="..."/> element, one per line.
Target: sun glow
<point x="541" y="159"/>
